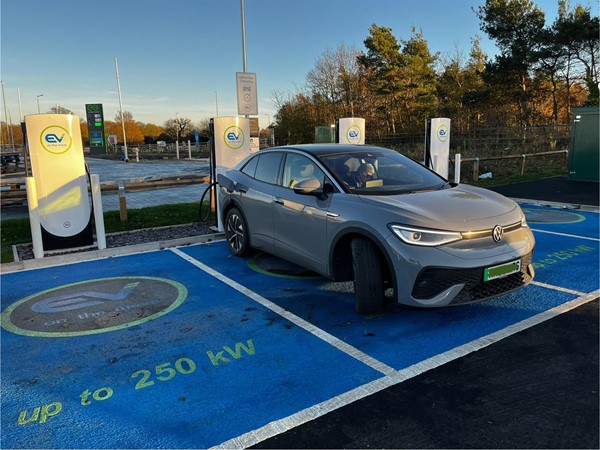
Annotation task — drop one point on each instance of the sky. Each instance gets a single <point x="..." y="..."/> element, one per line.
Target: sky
<point x="180" y="57"/>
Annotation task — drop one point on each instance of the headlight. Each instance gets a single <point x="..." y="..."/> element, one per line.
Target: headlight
<point x="424" y="237"/>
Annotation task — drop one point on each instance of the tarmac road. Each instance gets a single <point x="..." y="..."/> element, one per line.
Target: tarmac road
<point x="535" y="389"/>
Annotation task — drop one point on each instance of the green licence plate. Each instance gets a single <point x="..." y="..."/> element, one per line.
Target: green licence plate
<point x="503" y="270"/>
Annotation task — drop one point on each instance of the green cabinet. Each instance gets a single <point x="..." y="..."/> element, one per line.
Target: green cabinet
<point x="585" y="147"/>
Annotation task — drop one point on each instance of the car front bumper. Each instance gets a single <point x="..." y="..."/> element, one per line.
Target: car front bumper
<point x="454" y="274"/>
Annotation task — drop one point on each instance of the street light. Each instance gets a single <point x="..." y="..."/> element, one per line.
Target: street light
<point x="177" y="134"/>
<point x="38" y="101"/>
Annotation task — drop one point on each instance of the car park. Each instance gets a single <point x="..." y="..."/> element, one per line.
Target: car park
<point x="375" y="217"/>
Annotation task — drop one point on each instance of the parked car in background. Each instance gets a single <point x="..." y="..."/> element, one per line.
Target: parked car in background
<point x="376" y="217"/>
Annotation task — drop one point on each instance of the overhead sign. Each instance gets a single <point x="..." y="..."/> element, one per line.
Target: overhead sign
<point x="247" y="97"/>
<point x="58" y="167"/>
<point x="351" y="130"/>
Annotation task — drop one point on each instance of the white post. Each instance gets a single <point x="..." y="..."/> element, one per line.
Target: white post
<point x="98" y="212"/>
<point x="189" y="149"/>
<point x="34" y="218"/>
<point x="457" y="168"/>
<point x="177" y="148"/>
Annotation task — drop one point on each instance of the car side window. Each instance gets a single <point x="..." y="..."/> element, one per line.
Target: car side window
<point x="299" y="168"/>
<point x="250" y="167"/>
<point x="267" y="167"/>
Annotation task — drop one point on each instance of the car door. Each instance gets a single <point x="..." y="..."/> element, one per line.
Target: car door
<point x="300" y="221"/>
<point x="256" y="198"/>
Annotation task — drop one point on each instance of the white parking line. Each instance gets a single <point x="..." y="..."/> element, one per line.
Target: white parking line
<point x="392" y="377"/>
<point x="323" y="335"/>
<point x="566" y="235"/>
<point x="282" y="425"/>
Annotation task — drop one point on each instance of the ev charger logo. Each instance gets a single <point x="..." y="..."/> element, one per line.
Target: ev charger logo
<point x="353" y="134"/>
<point x="234" y="137"/>
<point x="442" y="133"/>
<point x="56" y="139"/>
<point x="93" y="306"/>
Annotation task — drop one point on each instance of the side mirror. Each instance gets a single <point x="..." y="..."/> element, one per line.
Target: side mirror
<point x="308" y="187"/>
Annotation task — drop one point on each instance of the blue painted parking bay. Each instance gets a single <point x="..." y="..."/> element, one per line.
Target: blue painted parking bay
<point x="193" y="348"/>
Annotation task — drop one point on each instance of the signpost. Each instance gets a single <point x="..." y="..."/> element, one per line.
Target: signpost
<point x="95" y="123"/>
<point x="247" y="98"/>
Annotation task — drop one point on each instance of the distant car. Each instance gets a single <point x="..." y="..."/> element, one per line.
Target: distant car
<point x="376" y="217"/>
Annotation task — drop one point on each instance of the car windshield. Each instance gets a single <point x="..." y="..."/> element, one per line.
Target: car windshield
<point x="381" y="172"/>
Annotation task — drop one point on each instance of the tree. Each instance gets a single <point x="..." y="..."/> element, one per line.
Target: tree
<point x="576" y="31"/>
<point x="381" y="63"/>
<point x="418" y="93"/>
<point x="150" y="131"/>
<point x="516" y="26"/>
<point x="181" y="127"/>
<point x="335" y="79"/>
<point x="132" y="131"/>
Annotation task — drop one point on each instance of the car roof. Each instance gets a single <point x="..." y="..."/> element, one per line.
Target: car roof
<point x="329" y="149"/>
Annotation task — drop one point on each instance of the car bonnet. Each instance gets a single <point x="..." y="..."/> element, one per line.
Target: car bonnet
<point x="456" y="209"/>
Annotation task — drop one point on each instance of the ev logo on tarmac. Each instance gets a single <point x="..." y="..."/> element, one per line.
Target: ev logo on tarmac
<point x="234" y="137"/>
<point x="442" y="133"/>
<point x="353" y="134"/>
<point x="56" y="140"/>
<point x="94" y="306"/>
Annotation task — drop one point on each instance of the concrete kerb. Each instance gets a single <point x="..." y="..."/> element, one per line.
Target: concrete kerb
<point x="71" y="258"/>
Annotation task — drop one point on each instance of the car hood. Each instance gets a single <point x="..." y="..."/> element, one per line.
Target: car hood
<point x="458" y="209"/>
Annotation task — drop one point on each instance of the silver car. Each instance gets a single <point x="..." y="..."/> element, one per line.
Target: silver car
<point x="376" y="217"/>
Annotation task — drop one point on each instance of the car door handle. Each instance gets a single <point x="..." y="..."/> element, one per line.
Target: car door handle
<point x="278" y="200"/>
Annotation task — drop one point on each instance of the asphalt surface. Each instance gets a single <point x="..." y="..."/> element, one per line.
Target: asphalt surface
<point x="535" y="389"/>
<point x="538" y="388"/>
<point x="554" y="189"/>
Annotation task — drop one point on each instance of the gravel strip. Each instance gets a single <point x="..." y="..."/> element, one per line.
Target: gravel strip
<point x="25" y="251"/>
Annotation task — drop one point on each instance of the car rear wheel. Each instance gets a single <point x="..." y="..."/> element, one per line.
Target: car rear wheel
<point x="368" y="277"/>
<point x="236" y="232"/>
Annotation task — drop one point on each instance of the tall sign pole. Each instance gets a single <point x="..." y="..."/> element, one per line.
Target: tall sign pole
<point x="121" y="110"/>
<point x="243" y="35"/>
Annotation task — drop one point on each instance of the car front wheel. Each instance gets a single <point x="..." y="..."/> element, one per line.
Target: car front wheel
<point x="368" y="277"/>
<point x="236" y="232"/>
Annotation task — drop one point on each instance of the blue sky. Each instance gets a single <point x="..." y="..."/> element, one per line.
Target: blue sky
<point x="174" y="55"/>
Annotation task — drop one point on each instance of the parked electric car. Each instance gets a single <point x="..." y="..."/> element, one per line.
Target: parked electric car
<point x="376" y="217"/>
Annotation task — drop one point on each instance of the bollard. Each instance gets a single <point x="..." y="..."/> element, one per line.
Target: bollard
<point x="189" y="149"/>
<point x="457" y="168"/>
<point x="122" y="202"/>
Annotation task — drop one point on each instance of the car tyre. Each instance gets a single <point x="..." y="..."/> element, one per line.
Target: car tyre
<point x="236" y="232"/>
<point x="368" y="279"/>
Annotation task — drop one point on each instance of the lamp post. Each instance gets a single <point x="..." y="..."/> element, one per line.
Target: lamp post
<point x="177" y="134"/>
<point x="38" y="101"/>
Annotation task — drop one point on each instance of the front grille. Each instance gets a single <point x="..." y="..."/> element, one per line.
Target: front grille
<point x="432" y="281"/>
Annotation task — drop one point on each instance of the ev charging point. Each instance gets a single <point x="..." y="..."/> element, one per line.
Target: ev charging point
<point x="350" y="130"/>
<point x="231" y="144"/>
<point x="57" y="194"/>
<point x="437" y="145"/>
